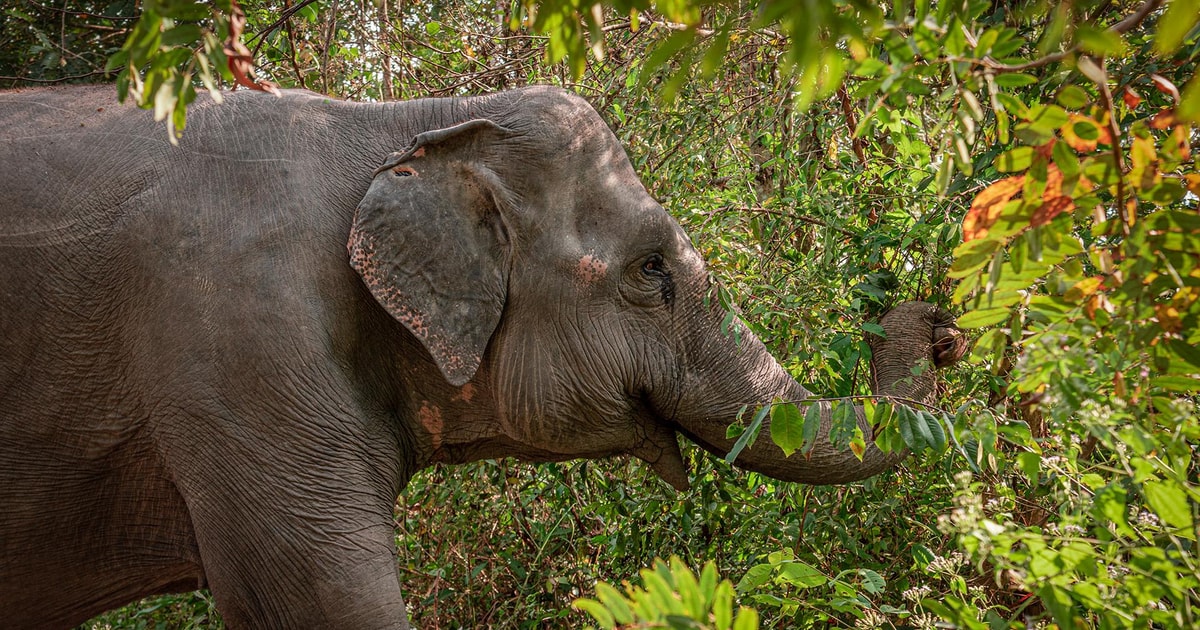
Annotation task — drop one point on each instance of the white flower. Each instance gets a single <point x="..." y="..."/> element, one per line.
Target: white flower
<point x="1147" y="519"/>
<point x="925" y="621"/>
<point x="871" y="619"/>
<point x="916" y="593"/>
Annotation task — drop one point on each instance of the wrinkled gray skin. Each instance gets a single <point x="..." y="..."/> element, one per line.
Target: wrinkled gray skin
<point x="220" y="363"/>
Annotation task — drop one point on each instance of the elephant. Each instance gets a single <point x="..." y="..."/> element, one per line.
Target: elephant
<point x="221" y="362"/>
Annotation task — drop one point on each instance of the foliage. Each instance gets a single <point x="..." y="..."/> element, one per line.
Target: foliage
<point x="670" y="596"/>
<point x="1032" y="162"/>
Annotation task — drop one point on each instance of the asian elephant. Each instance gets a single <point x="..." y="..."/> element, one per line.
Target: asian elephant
<point x="221" y="362"/>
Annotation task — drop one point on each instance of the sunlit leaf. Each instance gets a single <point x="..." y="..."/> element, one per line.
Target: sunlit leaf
<point x="787" y="427"/>
<point x="1171" y="503"/>
<point x="1181" y="16"/>
<point x="987" y="206"/>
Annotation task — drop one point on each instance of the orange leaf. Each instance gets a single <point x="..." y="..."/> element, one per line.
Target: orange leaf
<point x="987" y="206"/>
<point x="241" y="60"/>
<point x="1164" y="119"/>
<point x="1180" y="135"/>
<point x="1168" y="318"/>
<point x="1131" y="97"/>
<point x="1165" y="86"/>
<point x="1046" y="150"/>
<point x="1193" y="183"/>
<point x="1050" y="208"/>
<point x="1054" y="180"/>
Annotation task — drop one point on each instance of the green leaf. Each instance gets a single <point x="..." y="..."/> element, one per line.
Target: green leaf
<point x="1189" y="101"/>
<point x="980" y="318"/>
<point x="118" y="60"/>
<point x="715" y="55"/>
<point x="923" y="555"/>
<point x="1180" y="18"/>
<point x="1030" y="464"/>
<point x="1186" y="351"/>
<point x="1176" y="383"/>
<point x="972" y="255"/>
<point x="882" y="415"/>
<point x="937" y="433"/>
<point x="1066" y="160"/>
<point x="1015" y="80"/>
<point x="923" y="433"/>
<point x="1073" y="97"/>
<point x="787" y="427"/>
<point x="182" y="35"/>
<point x="664" y="51"/>
<point x="614" y="602"/>
<point x="800" y="575"/>
<point x="694" y="602"/>
<point x="750" y="434"/>
<point x="1059" y="603"/>
<point x="812" y="425"/>
<point x="907" y="420"/>
<point x="723" y="606"/>
<point x="1099" y="41"/>
<point x="680" y="622"/>
<point x="747" y="619"/>
<point x="432" y="28"/>
<point x="708" y="581"/>
<point x="758" y="575"/>
<point x="842" y="425"/>
<point x="1170" y="503"/>
<point x="1108" y="506"/>
<point x="1013" y="160"/>
<point x="872" y="582"/>
<point x="597" y="611"/>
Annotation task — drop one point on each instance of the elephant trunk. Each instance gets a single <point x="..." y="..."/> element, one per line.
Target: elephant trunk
<point x="917" y="335"/>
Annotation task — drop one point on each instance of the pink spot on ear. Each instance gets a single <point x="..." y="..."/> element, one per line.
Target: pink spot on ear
<point x="466" y="393"/>
<point x="590" y="270"/>
<point x="419" y="153"/>
<point x="430" y="416"/>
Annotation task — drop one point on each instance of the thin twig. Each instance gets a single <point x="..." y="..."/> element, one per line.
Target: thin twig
<point x="1114" y="129"/>
<point x="799" y="217"/>
<point x="1137" y="17"/>
<point x="78" y="13"/>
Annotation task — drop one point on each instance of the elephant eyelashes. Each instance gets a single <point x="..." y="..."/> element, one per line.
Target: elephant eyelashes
<point x="655" y="268"/>
<point x="404" y="171"/>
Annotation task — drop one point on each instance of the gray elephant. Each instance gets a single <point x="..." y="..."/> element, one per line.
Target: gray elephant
<point x="221" y="362"/>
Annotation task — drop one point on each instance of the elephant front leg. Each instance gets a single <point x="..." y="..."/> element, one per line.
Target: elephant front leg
<point x="307" y="564"/>
<point x="293" y="525"/>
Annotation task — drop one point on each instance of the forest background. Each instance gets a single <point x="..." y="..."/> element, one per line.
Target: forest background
<point x="1030" y="165"/>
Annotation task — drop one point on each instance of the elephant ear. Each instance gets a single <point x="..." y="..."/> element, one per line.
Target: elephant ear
<point x="429" y="241"/>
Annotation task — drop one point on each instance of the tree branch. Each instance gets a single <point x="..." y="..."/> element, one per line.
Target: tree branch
<point x="1135" y="18"/>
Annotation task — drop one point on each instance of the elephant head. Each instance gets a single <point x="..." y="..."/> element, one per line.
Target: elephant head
<point x="518" y="245"/>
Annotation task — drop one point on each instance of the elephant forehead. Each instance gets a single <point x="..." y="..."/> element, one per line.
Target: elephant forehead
<point x="689" y="259"/>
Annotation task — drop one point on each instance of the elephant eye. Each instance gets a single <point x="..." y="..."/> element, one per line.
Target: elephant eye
<point x="654" y="266"/>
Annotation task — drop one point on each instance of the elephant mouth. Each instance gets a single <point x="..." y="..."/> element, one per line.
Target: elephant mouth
<point x="659" y="447"/>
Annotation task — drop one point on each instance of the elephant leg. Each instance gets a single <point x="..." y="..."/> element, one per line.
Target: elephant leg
<point x="293" y="519"/>
<point x="301" y="565"/>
